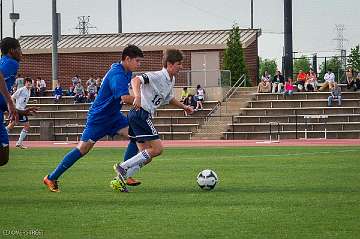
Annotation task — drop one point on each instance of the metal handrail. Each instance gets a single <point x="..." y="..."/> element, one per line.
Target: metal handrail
<point x="227" y="96"/>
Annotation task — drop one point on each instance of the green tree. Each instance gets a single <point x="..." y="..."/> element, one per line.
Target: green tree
<point x="301" y="63"/>
<point x="335" y="65"/>
<point x="268" y="65"/>
<point x="234" y="57"/>
<point x="354" y="58"/>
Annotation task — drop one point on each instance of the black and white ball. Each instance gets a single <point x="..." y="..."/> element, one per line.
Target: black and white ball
<point x="207" y="179"/>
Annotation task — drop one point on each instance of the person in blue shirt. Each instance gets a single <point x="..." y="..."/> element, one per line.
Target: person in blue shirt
<point x="9" y="64"/>
<point x="104" y="116"/>
<point x="58" y="92"/>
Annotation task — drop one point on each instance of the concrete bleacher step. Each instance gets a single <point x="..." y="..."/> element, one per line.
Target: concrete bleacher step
<point x="300" y="111"/>
<point x="304" y="96"/>
<point x="290" y="103"/>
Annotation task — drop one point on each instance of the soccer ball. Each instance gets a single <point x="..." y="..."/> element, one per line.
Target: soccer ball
<point x="207" y="179"/>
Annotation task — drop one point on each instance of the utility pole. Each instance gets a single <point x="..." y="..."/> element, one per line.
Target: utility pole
<point x="119" y="17"/>
<point x="55" y="37"/>
<point x="288" y="43"/>
<point x="252" y="14"/>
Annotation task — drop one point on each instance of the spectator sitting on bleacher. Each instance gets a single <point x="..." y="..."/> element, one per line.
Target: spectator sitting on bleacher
<point x="354" y="83"/>
<point x="335" y="94"/>
<point x="75" y="80"/>
<point x="311" y="81"/>
<point x="91" y="81"/>
<point x="58" y="92"/>
<point x="289" y="87"/>
<point x="79" y="93"/>
<point x="184" y="94"/>
<point x="349" y="78"/>
<point x="300" y="81"/>
<point x="91" y="92"/>
<point x="33" y="89"/>
<point x="98" y="83"/>
<point x="357" y="82"/>
<point x="200" y="97"/>
<point x="265" y="84"/>
<point x="278" y="83"/>
<point x="329" y="77"/>
<point x="190" y="101"/>
<point x="42" y="87"/>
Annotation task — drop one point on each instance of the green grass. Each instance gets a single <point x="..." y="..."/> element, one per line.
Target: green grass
<point x="264" y="192"/>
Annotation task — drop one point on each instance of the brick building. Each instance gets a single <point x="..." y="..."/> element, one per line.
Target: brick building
<point x="91" y="55"/>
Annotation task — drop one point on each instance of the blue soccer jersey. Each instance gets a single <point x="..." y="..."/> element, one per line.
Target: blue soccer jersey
<point x="106" y="106"/>
<point x="8" y="68"/>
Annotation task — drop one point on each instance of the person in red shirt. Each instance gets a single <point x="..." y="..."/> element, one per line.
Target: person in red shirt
<point x="301" y="79"/>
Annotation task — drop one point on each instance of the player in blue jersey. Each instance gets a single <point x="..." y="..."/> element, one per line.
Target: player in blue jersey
<point x="104" y="116"/>
<point x="9" y="64"/>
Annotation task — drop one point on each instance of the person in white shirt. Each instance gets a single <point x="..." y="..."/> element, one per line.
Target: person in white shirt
<point x="21" y="98"/>
<point x="329" y="78"/>
<point x="151" y="90"/>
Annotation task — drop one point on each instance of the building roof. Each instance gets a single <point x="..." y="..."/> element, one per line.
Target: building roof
<point x="147" y="41"/>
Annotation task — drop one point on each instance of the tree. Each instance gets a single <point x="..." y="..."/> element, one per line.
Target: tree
<point x="234" y="57"/>
<point x="354" y="58"/>
<point x="335" y="65"/>
<point x="268" y="65"/>
<point x="301" y="63"/>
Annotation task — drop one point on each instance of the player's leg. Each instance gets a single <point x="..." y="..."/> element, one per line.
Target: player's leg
<point x="4" y="143"/>
<point x="90" y="135"/>
<point x="22" y="136"/>
<point x="10" y="126"/>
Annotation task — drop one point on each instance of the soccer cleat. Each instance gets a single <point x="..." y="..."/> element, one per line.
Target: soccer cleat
<point x="117" y="185"/>
<point x="121" y="176"/>
<point x="51" y="184"/>
<point x="132" y="182"/>
<point x="21" y="146"/>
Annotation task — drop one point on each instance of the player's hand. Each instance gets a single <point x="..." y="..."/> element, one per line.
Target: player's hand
<point x="13" y="114"/>
<point x="29" y="111"/>
<point x="188" y="109"/>
<point x="137" y="103"/>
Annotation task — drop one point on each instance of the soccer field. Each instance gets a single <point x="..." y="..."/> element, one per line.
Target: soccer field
<point x="263" y="192"/>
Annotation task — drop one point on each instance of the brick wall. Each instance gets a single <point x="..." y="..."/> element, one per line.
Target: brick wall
<point x="97" y="64"/>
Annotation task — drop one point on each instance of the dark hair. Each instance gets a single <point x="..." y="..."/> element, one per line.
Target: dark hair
<point x="172" y="56"/>
<point x="28" y="79"/>
<point x="185" y="88"/>
<point x="330" y="70"/>
<point x="131" y="51"/>
<point x="198" y="86"/>
<point x="7" y="44"/>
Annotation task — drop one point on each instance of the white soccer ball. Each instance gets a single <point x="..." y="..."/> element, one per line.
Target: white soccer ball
<point x="207" y="179"/>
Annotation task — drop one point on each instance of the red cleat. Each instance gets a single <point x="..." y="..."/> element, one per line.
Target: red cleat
<point x="51" y="184"/>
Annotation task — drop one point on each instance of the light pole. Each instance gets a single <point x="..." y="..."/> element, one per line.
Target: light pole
<point x="1" y="19"/>
<point x="14" y="17"/>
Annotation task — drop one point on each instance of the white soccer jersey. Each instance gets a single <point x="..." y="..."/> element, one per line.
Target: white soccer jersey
<point x="21" y="96"/>
<point x="156" y="90"/>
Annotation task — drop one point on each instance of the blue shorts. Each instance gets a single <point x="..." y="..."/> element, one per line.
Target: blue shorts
<point x="94" y="132"/>
<point x="141" y="127"/>
<point x="4" y="137"/>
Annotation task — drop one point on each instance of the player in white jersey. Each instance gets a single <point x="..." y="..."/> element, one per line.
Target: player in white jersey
<point x="151" y="90"/>
<point x="21" y="98"/>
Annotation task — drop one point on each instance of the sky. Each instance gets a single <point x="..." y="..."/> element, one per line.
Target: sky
<point x="314" y="21"/>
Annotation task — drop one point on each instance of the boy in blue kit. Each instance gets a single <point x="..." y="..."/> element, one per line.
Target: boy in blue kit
<point x="9" y="64"/>
<point x="104" y="116"/>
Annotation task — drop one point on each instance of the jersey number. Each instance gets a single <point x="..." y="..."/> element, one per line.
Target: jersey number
<point x="156" y="100"/>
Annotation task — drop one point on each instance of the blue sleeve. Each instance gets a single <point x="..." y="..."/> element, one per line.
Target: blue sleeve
<point x="9" y="68"/>
<point x="119" y="85"/>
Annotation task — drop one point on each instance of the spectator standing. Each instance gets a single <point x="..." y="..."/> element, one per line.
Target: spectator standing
<point x="200" y="97"/>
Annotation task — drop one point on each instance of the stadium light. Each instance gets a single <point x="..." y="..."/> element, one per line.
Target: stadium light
<point x="14" y="17"/>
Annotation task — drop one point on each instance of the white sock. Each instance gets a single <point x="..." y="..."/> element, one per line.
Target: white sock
<point x="22" y="137"/>
<point x="131" y="171"/>
<point x="138" y="159"/>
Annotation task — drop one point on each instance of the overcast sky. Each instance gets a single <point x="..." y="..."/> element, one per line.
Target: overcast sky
<point x="313" y="20"/>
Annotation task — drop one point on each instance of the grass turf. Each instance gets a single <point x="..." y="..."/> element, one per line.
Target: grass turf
<point x="264" y="192"/>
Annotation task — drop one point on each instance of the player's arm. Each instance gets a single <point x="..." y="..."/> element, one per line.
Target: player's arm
<point x="135" y="84"/>
<point x="4" y="91"/>
<point x="127" y="99"/>
<point x="180" y="105"/>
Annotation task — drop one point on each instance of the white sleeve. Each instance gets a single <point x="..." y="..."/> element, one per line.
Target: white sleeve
<point x="16" y="95"/>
